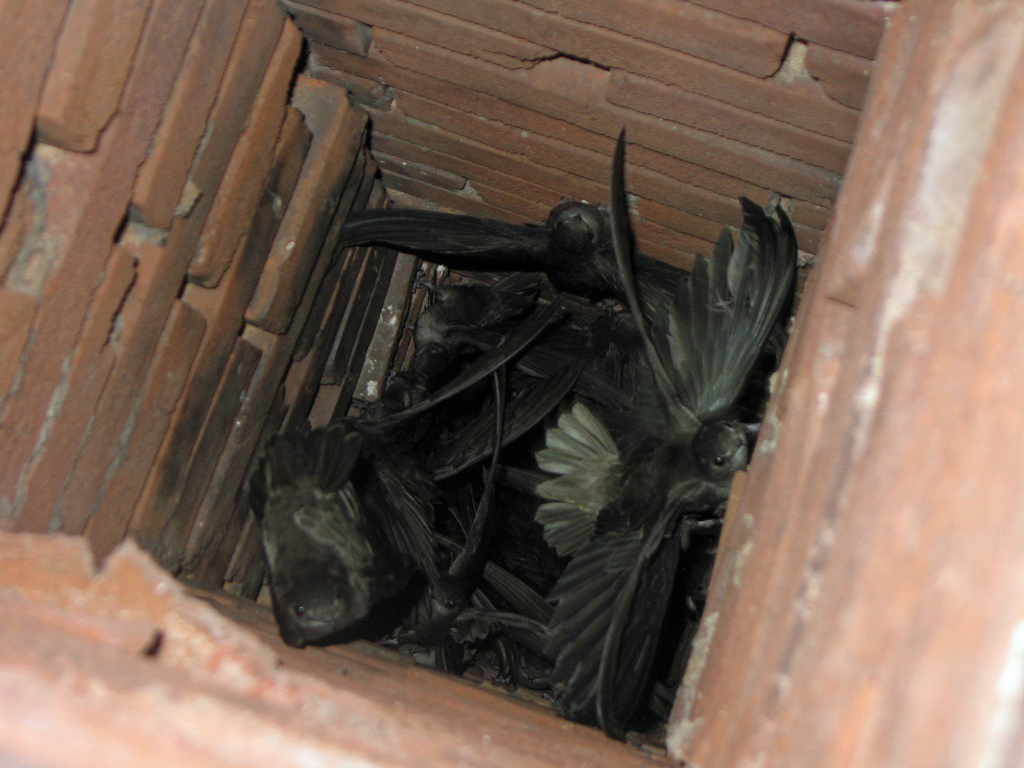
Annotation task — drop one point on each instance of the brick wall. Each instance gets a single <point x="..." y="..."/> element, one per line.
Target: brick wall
<point x="503" y="107"/>
<point x="170" y="191"/>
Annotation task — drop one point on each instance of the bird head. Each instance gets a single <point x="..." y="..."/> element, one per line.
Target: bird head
<point x="721" y="449"/>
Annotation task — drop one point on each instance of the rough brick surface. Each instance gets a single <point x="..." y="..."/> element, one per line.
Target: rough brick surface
<point x="28" y="32"/>
<point x="223" y="308"/>
<point x="243" y="180"/>
<point x="94" y="55"/>
<point x="330" y="28"/>
<point x="844" y="76"/>
<point x="89" y="369"/>
<point x="16" y="312"/>
<point x="338" y="131"/>
<point x="854" y="26"/>
<point x="150" y="414"/>
<point x="84" y="230"/>
<point x="162" y="177"/>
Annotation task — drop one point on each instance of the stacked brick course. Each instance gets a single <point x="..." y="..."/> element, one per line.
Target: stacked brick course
<point x="170" y="196"/>
<point x="503" y="107"/>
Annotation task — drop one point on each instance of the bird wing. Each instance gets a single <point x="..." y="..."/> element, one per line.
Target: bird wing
<point x="434" y="235"/>
<point x="527" y="406"/>
<point x="582" y="455"/>
<point x="725" y="310"/>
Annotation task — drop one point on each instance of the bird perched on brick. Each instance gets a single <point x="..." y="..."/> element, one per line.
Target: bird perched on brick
<point x="628" y="487"/>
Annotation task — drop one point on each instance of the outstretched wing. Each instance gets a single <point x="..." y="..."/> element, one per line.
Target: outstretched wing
<point x="724" y="311"/>
<point x="487" y="243"/>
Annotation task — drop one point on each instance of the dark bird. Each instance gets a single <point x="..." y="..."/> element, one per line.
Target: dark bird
<point x="573" y="247"/>
<point x="629" y="486"/>
<point x="346" y="510"/>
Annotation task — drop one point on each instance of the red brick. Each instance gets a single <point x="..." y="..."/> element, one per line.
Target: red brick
<point x="50" y="469"/>
<point x="791" y="177"/>
<point x="688" y="28"/>
<point x="28" y="33"/>
<point x="666" y="102"/>
<point x="844" y="76"/>
<point x="16" y="313"/>
<point x="254" y="44"/>
<point x="19" y="225"/>
<point x="465" y="202"/>
<point x="853" y="26"/>
<point x="102" y="186"/>
<point x="41" y="566"/>
<point x="223" y="308"/>
<point x="250" y="162"/>
<point x="330" y="28"/>
<point x="162" y="177"/>
<point x="484" y="41"/>
<point x="223" y="409"/>
<point x="150" y="415"/>
<point x="94" y="56"/>
<point x="338" y="131"/>
<point x="797" y="103"/>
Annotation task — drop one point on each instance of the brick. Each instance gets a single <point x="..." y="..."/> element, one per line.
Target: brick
<point x="421" y="171"/>
<point x="464" y="202"/>
<point x="338" y="132"/>
<point x="90" y="68"/>
<point x="688" y="28"/>
<point x="702" y="148"/>
<point x="844" y="77"/>
<point x="799" y="103"/>
<point x="330" y="28"/>
<point x="240" y="188"/>
<point x="19" y="226"/>
<point x="254" y="45"/>
<point x="852" y="26"/>
<point x="358" y="187"/>
<point x="208" y="552"/>
<point x="90" y="366"/>
<point x="486" y="42"/>
<point x="150" y="415"/>
<point x="390" y="327"/>
<point x="223" y="308"/>
<point x="223" y="409"/>
<point x="16" y="313"/>
<point x="686" y="108"/>
<point x="101" y="189"/>
<point x="28" y="34"/>
<point x="162" y="177"/>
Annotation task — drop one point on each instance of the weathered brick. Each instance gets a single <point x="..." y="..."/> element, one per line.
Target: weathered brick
<point x="90" y="365"/>
<point x="102" y="188"/>
<point x="413" y="170"/>
<point x="853" y="26"/>
<point x="208" y="552"/>
<point x="337" y="130"/>
<point x="472" y="205"/>
<point x="18" y="226"/>
<point x="91" y="65"/>
<point x="330" y="28"/>
<point x="254" y="45"/>
<point x="727" y="40"/>
<point x="666" y="102"/>
<point x="844" y="77"/>
<point x="28" y="34"/>
<point x="223" y="409"/>
<point x="162" y="177"/>
<point x="798" y="103"/>
<point x="151" y="412"/>
<point x="381" y="350"/>
<point x="223" y="308"/>
<point x="240" y="188"/>
<point x="16" y="312"/>
<point x="486" y="42"/>
<point x="702" y="148"/>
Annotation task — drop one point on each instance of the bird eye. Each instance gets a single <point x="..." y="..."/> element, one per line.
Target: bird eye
<point x="300" y="610"/>
<point x="719" y="461"/>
